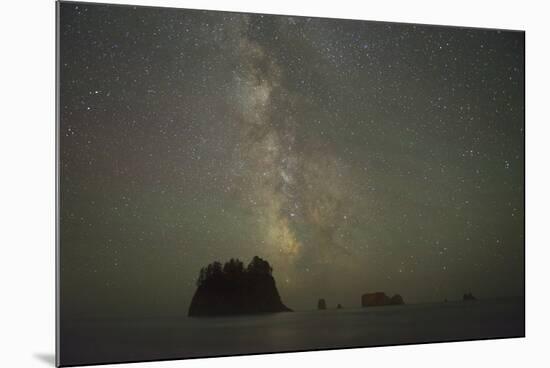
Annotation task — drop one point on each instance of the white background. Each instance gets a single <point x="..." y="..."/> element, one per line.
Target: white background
<point x="27" y="182"/>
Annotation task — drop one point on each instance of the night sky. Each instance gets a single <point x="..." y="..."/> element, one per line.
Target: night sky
<point x="353" y="156"/>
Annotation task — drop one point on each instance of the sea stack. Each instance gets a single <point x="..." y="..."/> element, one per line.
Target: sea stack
<point x="234" y="289"/>
<point x="321" y="304"/>
<point x="380" y="299"/>
<point x="396" y="300"/>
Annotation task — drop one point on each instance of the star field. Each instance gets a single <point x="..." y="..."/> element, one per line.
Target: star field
<point x="354" y="156"/>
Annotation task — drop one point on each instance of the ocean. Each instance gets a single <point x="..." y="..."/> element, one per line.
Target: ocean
<point x="124" y="340"/>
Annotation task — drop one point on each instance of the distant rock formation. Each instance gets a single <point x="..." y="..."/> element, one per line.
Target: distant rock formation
<point x="380" y="299"/>
<point x="468" y="297"/>
<point x="339" y="306"/>
<point x="232" y="290"/>
<point x="396" y="300"/>
<point x="321" y="304"/>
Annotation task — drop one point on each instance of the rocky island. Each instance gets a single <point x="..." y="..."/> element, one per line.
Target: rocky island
<point x="232" y="289"/>
<point x="380" y="299"/>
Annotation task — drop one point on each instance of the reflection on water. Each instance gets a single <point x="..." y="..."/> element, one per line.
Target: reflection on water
<point x="171" y="338"/>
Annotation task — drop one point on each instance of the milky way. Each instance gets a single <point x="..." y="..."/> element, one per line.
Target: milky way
<point x="353" y="156"/>
<point x="275" y="170"/>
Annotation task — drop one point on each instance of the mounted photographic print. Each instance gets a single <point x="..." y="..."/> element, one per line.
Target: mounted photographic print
<point x="233" y="183"/>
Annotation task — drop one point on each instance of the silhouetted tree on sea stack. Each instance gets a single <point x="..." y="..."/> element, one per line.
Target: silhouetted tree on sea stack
<point x="233" y="289"/>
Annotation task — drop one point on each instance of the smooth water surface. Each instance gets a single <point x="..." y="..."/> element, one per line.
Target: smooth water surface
<point x="97" y="341"/>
